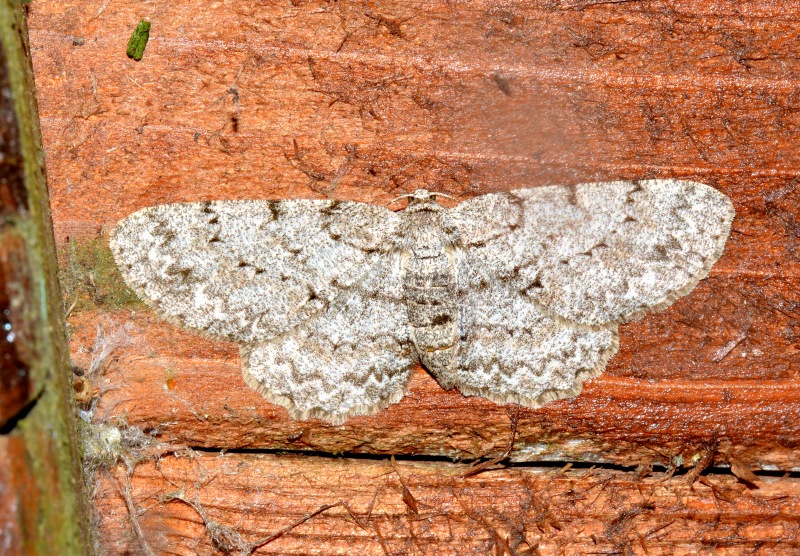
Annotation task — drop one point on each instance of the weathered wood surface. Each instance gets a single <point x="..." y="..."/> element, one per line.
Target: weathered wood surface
<point x="368" y="100"/>
<point x="187" y="390"/>
<point x="464" y="100"/>
<point x="41" y="505"/>
<point x="520" y="511"/>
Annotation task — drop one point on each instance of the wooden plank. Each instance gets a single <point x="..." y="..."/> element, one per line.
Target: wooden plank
<point x="187" y="390"/>
<point x="368" y="100"/>
<point x="210" y="115"/>
<point x="659" y="109"/>
<point x="427" y="508"/>
<point x="42" y="509"/>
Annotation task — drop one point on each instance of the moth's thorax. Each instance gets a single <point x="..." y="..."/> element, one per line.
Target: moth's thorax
<point x="424" y="233"/>
<point x="429" y="281"/>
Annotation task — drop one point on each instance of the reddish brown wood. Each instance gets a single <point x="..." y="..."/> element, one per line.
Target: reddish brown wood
<point x="368" y="100"/>
<point x="386" y="112"/>
<point x="17" y="386"/>
<point x="188" y="390"/>
<point x="521" y="511"/>
<point x="19" y="500"/>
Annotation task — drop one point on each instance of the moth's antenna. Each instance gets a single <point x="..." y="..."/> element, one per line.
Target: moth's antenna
<point x="407" y="195"/>
<point x="431" y="193"/>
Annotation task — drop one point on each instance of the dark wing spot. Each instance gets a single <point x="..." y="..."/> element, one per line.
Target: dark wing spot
<point x="332" y="208"/>
<point x="535" y="285"/>
<point x="167" y="237"/>
<point x="184" y="274"/>
<point x="638" y="187"/>
<point x="572" y="195"/>
<point x="590" y="252"/>
<point x="442" y="319"/>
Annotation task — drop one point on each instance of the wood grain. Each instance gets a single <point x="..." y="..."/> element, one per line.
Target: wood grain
<point x="186" y="390"/>
<point x="520" y="511"/>
<point x="368" y="100"/>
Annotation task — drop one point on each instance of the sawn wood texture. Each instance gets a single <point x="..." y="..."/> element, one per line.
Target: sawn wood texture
<point x="368" y="100"/>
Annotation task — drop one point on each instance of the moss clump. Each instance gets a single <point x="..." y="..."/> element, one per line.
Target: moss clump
<point x="138" y="40"/>
<point x="90" y="278"/>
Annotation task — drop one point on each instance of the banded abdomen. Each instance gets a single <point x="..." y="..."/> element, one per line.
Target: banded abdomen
<point x="429" y="281"/>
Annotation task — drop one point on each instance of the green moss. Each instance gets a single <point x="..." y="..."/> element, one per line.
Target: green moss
<point x="138" y="40"/>
<point x="90" y="278"/>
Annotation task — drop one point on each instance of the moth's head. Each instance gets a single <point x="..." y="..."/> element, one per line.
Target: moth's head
<point x="423" y="195"/>
<point x="422" y="199"/>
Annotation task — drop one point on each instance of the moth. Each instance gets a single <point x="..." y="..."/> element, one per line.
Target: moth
<point x="513" y="296"/>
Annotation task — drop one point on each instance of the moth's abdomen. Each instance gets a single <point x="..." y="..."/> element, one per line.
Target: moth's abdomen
<point x="430" y="292"/>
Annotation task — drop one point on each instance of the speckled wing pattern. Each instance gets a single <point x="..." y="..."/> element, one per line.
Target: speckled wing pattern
<point x="313" y="290"/>
<point x="280" y="276"/>
<point x="512" y="351"/>
<point x="547" y="274"/>
<point x="355" y="358"/>
<point x="249" y="270"/>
